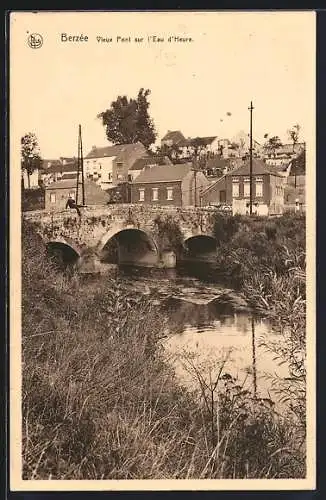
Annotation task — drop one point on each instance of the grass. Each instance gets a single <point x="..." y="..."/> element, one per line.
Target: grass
<point x="101" y="402"/>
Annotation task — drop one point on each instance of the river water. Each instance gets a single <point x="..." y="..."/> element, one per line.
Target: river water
<point x="209" y="323"/>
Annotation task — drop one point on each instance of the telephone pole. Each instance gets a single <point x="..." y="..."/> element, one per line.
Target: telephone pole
<point x="195" y="170"/>
<point x="250" y="152"/>
<point x="80" y="168"/>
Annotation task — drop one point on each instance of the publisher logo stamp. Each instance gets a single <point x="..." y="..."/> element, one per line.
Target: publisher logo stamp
<point x="35" y="41"/>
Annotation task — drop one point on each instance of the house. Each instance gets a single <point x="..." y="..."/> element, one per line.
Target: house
<point x="202" y="145"/>
<point x="218" y="166"/>
<point x="176" y="185"/>
<point x="172" y="138"/>
<point x="57" y="194"/>
<point x="66" y="160"/>
<point x="30" y="181"/>
<point x="234" y="189"/>
<point x="146" y="161"/>
<point x="284" y="154"/>
<point x="110" y="165"/>
<point x="49" y="163"/>
<point x="59" y="171"/>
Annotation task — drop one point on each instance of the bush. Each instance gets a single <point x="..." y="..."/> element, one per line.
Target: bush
<point x="33" y="199"/>
<point x="101" y="402"/>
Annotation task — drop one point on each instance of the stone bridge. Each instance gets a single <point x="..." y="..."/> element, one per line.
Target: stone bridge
<point x="127" y="234"/>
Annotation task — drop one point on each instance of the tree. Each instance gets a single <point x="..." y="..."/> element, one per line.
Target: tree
<point x="293" y="134"/>
<point x="30" y="154"/>
<point x="273" y="143"/>
<point x="128" y="121"/>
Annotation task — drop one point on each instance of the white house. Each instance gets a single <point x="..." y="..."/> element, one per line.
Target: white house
<point x="109" y="166"/>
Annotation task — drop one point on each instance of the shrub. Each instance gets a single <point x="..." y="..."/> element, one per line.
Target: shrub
<point x="100" y="401"/>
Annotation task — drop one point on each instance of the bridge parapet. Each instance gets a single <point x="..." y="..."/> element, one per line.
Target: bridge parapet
<point x="97" y="225"/>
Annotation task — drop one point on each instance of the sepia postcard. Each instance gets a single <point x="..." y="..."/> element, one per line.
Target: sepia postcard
<point x="162" y="250"/>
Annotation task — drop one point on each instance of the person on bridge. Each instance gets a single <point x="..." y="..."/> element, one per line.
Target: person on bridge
<point x="72" y="204"/>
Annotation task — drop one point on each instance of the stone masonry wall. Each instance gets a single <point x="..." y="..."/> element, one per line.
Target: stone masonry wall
<point x="95" y="222"/>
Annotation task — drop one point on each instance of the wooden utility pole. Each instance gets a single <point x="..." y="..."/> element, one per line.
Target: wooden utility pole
<point x="80" y="168"/>
<point x="250" y="151"/>
<point x="195" y="170"/>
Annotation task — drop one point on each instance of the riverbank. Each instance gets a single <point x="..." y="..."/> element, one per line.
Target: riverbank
<point x="100" y="402"/>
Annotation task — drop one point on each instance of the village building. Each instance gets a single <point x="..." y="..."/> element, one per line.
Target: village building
<point x="109" y="166"/>
<point x="204" y="146"/>
<point x="176" y="185"/>
<point x="57" y="194"/>
<point x="283" y="154"/>
<point x="173" y="138"/>
<point x="46" y="163"/>
<point x="234" y="189"/>
<point x="217" y="166"/>
<point x="146" y="161"/>
<point x="60" y="171"/>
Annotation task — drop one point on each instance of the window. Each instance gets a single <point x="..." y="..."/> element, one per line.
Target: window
<point x="155" y="194"/>
<point x="235" y="187"/>
<point x="119" y="164"/>
<point x="223" y="196"/>
<point x="109" y="176"/>
<point x="52" y="198"/>
<point x="141" y="194"/>
<point x="259" y="187"/>
<point x="246" y="187"/>
<point x="170" y="194"/>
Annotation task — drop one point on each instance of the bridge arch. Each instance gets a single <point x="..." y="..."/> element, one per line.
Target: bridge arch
<point x="128" y="245"/>
<point x="63" y="251"/>
<point x="200" y="245"/>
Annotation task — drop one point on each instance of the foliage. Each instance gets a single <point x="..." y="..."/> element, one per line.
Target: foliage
<point x="100" y="401"/>
<point x="224" y="227"/>
<point x="172" y="152"/>
<point x="30" y="153"/>
<point x="267" y="260"/>
<point x="273" y="144"/>
<point x="244" y="435"/>
<point x="168" y="233"/>
<point x="33" y="199"/>
<point x="293" y="134"/>
<point x="128" y="121"/>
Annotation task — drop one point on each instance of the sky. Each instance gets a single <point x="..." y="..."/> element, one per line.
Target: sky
<point x="233" y="59"/>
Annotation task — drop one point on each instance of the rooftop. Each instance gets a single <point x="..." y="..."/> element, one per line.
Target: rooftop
<point x="201" y="141"/>
<point x="94" y="195"/>
<point x="174" y="135"/>
<point x="288" y="148"/>
<point x="164" y="173"/>
<point x="59" y="167"/>
<point x="259" y="167"/>
<point x="113" y="150"/>
<point x="141" y="163"/>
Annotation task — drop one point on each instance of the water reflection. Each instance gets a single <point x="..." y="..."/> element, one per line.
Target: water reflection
<point x="208" y="322"/>
<point x="235" y="338"/>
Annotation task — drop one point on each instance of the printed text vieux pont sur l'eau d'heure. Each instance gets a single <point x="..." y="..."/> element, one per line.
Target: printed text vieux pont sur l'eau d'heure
<point x="66" y="37"/>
